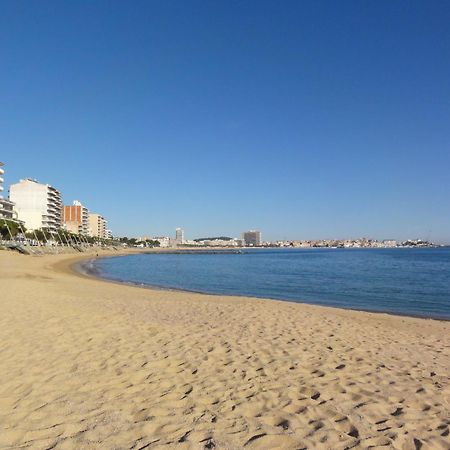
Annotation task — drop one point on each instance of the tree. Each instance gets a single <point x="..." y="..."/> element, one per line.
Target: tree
<point x="13" y="228"/>
<point x="36" y="234"/>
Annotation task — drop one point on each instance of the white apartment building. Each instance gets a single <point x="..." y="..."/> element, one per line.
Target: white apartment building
<point x="179" y="236"/>
<point x="6" y="207"/>
<point x="164" y="241"/>
<point x="2" y="171"/>
<point x="37" y="205"/>
<point x="219" y="242"/>
<point x="97" y="226"/>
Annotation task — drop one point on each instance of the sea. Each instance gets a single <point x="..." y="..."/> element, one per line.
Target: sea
<point x="406" y="281"/>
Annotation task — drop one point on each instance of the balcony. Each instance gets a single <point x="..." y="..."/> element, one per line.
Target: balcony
<point x="50" y="221"/>
<point x="54" y="193"/>
<point x="2" y="171"/>
<point x="53" y="198"/>
<point x="53" y="205"/>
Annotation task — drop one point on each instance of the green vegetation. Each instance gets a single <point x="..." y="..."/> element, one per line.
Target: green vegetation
<point x="152" y="243"/>
<point x="64" y="237"/>
<point x="133" y="241"/>
<point x="13" y="228"/>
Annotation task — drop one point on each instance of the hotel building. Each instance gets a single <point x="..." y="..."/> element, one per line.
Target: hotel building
<point x="76" y="218"/>
<point x="6" y="207"/>
<point x="252" y="238"/>
<point x="37" y="205"/>
<point x="97" y="226"/>
<point x="179" y="236"/>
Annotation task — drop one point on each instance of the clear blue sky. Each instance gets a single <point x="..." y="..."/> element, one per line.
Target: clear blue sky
<point x="301" y="119"/>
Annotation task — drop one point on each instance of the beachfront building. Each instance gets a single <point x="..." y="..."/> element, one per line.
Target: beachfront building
<point x="6" y="206"/>
<point x="76" y="218"/>
<point x="221" y="241"/>
<point x="389" y="243"/>
<point x="38" y="205"/>
<point x="97" y="226"/>
<point x="2" y="171"/>
<point x="252" y="238"/>
<point x="179" y="236"/>
<point x="164" y="241"/>
<point x="6" y="209"/>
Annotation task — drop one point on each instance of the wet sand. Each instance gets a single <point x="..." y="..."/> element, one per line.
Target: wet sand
<point x="86" y="363"/>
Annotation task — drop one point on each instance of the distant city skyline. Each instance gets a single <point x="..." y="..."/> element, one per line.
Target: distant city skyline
<point x="305" y="120"/>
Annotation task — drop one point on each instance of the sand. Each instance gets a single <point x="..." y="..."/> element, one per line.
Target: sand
<point x="90" y="364"/>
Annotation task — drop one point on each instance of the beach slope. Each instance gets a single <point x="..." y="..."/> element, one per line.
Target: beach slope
<point x="86" y="363"/>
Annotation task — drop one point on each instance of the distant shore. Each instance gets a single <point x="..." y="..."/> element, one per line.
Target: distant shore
<point x="88" y="363"/>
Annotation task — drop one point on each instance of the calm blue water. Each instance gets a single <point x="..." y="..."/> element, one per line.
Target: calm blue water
<point x="405" y="281"/>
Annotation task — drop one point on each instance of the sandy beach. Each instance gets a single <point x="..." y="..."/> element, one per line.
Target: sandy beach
<point x="91" y="364"/>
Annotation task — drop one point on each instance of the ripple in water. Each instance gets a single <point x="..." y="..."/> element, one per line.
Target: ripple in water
<point x="403" y="281"/>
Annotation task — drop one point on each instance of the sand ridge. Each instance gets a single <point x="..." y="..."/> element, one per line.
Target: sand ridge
<point x="89" y="364"/>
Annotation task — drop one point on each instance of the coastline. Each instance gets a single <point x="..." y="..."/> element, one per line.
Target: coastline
<point x="91" y="363"/>
<point x="81" y="268"/>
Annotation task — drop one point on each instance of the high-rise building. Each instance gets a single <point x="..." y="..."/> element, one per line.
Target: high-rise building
<point x="2" y="171"/>
<point x="37" y="205"/>
<point x="252" y="238"/>
<point x="6" y="206"/>
<point x="97" y="225"/>
<point x="76" y="218"/>
<point x="179" y="236"/>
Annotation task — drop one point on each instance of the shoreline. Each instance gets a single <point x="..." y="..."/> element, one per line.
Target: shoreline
<point x="79" y="268"/>
<point x="90" y="363"/>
